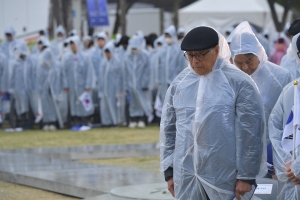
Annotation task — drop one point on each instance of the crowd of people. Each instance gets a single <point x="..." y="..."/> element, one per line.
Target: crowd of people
<point x="85" y="82"/>
<point x="211" y="86"/>
<point x="232" y="115"/>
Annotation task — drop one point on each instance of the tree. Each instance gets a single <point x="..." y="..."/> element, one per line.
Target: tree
<point x="62" y="13"/>
<point x="123" y="7"/>
<point x="175" y="17"/>
<point x="287" y="4"/>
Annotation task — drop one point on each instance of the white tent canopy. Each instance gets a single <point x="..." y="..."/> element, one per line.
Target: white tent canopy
<point x="222" y="14"/>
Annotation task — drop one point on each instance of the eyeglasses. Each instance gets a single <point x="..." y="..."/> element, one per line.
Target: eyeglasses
<point x="198" y="56"/>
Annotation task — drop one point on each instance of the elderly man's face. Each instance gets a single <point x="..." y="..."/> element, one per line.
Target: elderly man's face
<point x="206" y="63"/>
<point x="248" y="63"/>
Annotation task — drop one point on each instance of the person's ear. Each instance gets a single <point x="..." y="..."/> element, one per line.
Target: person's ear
<point x="216" y="49"/>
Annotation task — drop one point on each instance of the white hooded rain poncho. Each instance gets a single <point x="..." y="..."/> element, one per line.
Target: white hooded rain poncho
<point x="8" y="46"/>
<point x="269" y="78"/>
<point x="23" y="80"/>
<point x="172" y="62"/>
<point x="283" y="158"/>
<point x="57" y="45"/>
<point x="291" y="61"/>
<point x="78" y="76"/>
<point x="136" y="78"/>
<point x="48" y="84"/>
<point x="212" y="130"/>
<point x="109" y="87"/>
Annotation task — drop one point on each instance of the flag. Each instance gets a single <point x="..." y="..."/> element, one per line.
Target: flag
<point x="292" y="124"/>
<point x="86" y="100"/>
<point x="39" y="114"/>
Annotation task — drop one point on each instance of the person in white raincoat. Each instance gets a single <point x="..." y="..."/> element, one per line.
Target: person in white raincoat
<point x="23" y="84"/>
<point x="97" y="55"/>
<point x="9" y="43"/>
<point x="78" y="79"/>
<point x="136" y="82"/>
<point x="211" y="132"/>
<point x="109" y="86"/>
<point x="287" y="170"/>
<point x="57" y="45"/>
<point x="48" y="82"/>
<point x="249" y="56"/>
<point x="291" y="61"/>
<point x="171" y="59"/>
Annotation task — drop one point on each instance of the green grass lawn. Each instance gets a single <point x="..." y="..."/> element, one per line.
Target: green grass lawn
<point x="63" y="138"/>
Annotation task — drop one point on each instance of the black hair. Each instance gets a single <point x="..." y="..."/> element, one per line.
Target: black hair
<point x="91" y="43"/>
<point x="280" y="41"/>
<point x="298" y="44"/>
<point x="124" y="40"/>
<point x="42" y="32"/>
<point x="294" y="28"/>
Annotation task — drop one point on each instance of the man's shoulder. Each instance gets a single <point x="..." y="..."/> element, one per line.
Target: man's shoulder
<point x="277" y="70"/>
<point x="235" y="74"/>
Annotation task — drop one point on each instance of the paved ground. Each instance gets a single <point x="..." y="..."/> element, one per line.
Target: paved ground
<point x="37" y="138"/>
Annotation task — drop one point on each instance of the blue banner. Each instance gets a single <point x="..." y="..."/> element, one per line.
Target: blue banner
<point x="97" y="12"/>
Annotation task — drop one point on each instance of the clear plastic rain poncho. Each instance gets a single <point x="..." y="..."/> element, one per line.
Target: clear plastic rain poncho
<point x="97" y="56"/>
<point x="48" y="84"/>
<point x="154" y="63"/>
<point x="8" y="46"/>
<point x="291" y="61"/>
<point x="35" y="49"/>
<point x="78" y="76"/>
<point x="212" y="130"/>
<point x="269" y="78"/>
<point x="282" y="158"/>
<point x="22" y="73"/>
<point x="109" y="85"/>
<point x="57" y="45"/>
<point x="172" y="62"/>
<point x="136" y="78"/>
<point x="3" y="69"/>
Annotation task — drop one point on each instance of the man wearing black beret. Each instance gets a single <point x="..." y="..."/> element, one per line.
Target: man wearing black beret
<point x="212" y="124"/>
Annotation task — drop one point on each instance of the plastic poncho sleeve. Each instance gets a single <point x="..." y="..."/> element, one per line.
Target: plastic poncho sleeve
<point x="64" y="74"/>
<point x="89" y="74"/>
<point x="249" y="128"/>
<point x="5" y="75"/>
<point x="12" y="82"/>
<point x="168" y="131"/>
<point x="281" y="158"/>
<point x="146" y="80"/>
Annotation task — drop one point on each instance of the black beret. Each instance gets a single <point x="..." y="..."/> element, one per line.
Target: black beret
<point x="200" y="38"/>
<point x="298" y="43"/>
<point x="295" y="27"/>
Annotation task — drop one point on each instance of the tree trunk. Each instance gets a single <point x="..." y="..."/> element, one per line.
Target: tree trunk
<point x="57" y="12"/>
<point x="287" y="6"/>
<point x="175" y="17"/>
<point x="117" y="22"/>
<point x="123" y="16"/>
<point x="67" y="14"/>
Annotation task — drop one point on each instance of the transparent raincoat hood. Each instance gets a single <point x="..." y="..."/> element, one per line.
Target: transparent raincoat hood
<point x="10" y="30"/>
<point x="269" y="78"/>
<point x="102" y="35"/>
<point x="171" y="30"/>
<point x="205" y="135"/>
<point x="110" y="46"/>
<point x="21" y="48"/>
<point x="60" y="29"/>
<point x="291" y="61"/>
